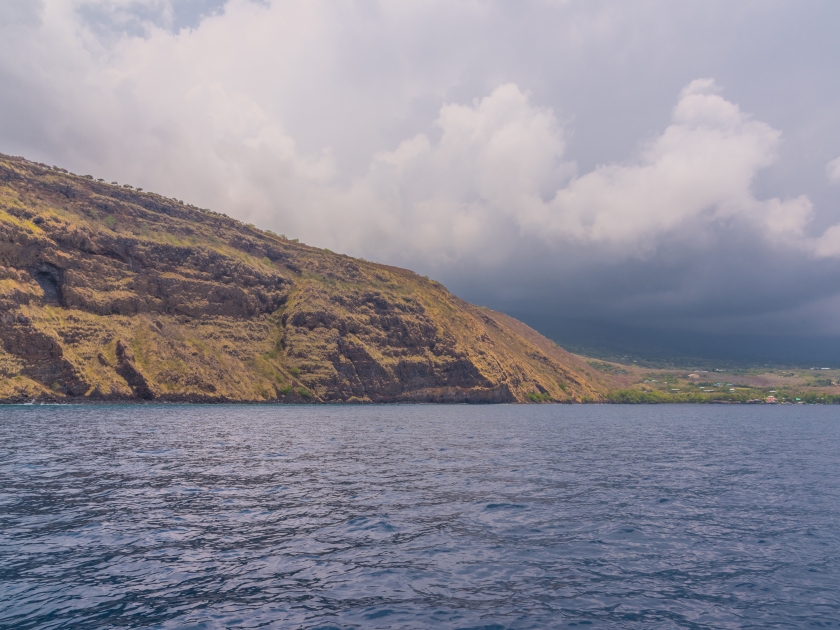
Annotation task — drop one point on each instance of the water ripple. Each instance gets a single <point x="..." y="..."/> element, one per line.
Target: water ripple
<point x="419" y="516"/>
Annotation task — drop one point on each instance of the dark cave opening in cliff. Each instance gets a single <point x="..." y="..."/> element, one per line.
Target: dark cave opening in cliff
<point x="49" y="280"/>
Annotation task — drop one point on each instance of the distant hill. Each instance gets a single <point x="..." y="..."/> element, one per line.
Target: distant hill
<point x="111" y="293"/>
<point x="658" y="347"/>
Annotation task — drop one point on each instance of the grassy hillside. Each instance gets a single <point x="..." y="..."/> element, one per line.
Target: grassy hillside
<point x="108" y="292"/>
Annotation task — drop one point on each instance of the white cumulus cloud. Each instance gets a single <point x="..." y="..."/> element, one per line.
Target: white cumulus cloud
<point x="498" y="174"/>
<point x="554" y="141"/>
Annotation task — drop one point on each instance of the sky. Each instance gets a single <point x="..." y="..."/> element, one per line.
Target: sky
<point x="659" y="166"/>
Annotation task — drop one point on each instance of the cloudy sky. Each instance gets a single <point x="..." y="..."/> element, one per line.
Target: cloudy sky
<point x="660" y="164"/>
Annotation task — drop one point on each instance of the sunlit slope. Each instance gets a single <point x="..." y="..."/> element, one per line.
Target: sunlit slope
<point x="107" y="292"/>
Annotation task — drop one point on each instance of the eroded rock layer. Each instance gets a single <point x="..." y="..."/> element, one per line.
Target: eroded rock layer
<point x="107" y="292"/>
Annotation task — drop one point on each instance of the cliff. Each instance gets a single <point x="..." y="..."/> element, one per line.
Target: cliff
<point x="111" y="293"/>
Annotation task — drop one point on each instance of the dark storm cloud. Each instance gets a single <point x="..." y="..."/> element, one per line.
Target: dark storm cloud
<point x="646" y="163"/>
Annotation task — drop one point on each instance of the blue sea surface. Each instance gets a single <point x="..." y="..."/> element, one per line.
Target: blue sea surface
<point x="165" y="516"/>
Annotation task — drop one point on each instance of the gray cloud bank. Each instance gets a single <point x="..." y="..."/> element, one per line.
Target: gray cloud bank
<point x="665" y="166"/>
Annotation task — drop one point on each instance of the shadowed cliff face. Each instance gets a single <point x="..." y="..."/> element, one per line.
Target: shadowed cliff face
<point x="111" y="293"/>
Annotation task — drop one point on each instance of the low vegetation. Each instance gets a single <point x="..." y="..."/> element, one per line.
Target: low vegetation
<point x="724" y="385"/>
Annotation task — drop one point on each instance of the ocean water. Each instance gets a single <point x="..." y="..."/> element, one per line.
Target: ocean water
<point x="419" y="517"/>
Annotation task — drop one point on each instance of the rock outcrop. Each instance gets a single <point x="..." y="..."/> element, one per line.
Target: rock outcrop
<point x="111" y="293"/>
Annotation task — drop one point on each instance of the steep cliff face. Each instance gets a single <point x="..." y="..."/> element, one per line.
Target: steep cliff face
<point x="107" y="292"/>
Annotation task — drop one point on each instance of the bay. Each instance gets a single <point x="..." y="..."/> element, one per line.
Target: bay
<point x="417" y="516"/>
